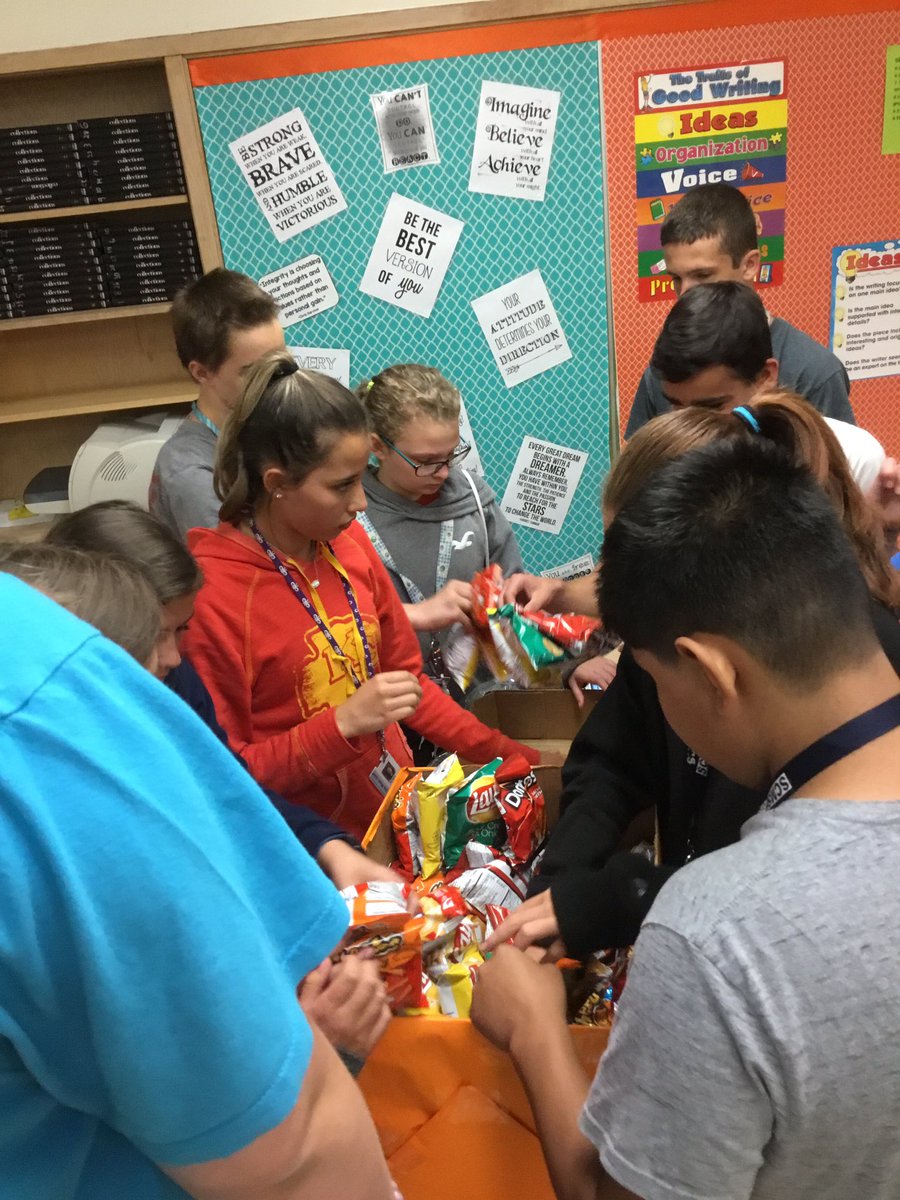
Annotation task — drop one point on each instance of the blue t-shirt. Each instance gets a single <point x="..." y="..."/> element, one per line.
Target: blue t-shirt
<point x="156" y="916"/>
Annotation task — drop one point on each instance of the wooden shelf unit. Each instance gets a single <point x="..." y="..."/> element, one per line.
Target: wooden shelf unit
<point x="89" y="210"/>
<point x="63" y="374"/>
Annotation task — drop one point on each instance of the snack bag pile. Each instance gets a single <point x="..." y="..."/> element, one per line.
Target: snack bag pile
<point x="516" y="646"/>
<point x="593" y="989"/>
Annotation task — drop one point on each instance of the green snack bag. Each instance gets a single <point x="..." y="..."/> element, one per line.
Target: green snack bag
<point x="539" y="651"/>
<point x="473" y="814"/>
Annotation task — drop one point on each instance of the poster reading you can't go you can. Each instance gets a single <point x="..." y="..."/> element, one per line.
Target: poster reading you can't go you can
<point x="714" y="124"/>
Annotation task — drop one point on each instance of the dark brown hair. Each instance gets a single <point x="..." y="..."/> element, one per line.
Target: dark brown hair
<point x="285" y="418"/>
<point x="121" y="528"/>
<point x="208" y="311"/>
<point x="713" y="210"/>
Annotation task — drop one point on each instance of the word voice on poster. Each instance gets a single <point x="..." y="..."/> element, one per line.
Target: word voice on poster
<point x="542" y="484"/>
<point x="405" y="128"/>
<point x="288" y="175"/>
<point x="513" y="140"/>
<point x="522" y="328"/>
<point x="411" y="255"/>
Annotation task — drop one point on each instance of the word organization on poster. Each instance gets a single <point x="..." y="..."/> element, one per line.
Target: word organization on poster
<point x="405" y="128"/>
<point x="411" y="255"/>
<point x="513" y="140"/>
<point x="301" y="289"/>
<point x="522" y="328"/>
<point x="335" y="363"/>
<point x="575" y="569"/>
<point x="542" y="484"/>
<point x="865" y="308"/>
<point x="287" y="173"/>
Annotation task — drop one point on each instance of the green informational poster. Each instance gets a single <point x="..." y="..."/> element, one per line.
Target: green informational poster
<point x="890" y="136"/>
<point x="462" y="245"/>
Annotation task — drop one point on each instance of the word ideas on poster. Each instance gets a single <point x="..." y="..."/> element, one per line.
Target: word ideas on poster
<point x="411" y="255"/>
<point x="301" y="289"/>
<point x="542" y="485"/>
<point x="513" y="140"/>
<point x="522" y="328"/>
<point x="335" y="363"/>
<point x="405" y="128"/>
<point x="288" y="175"/>
<point x="576" y="569"/>
<point x="865" y="308"/>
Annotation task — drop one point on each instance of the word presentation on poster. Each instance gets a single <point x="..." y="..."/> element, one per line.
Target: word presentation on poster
<point x="447" y="211"/>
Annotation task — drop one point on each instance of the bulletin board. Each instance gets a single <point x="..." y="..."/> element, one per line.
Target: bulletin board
<point x="503" y="238"/>
<point x="838" y="190"/>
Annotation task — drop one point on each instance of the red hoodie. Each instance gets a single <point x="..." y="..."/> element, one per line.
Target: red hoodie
<point x="276" y="681"/>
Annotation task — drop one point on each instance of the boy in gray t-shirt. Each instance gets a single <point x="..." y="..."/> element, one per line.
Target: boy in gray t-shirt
<point x="756" y="1051"/>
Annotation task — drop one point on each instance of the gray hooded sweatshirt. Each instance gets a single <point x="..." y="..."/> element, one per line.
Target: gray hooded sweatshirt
<point x="412" y="533"/>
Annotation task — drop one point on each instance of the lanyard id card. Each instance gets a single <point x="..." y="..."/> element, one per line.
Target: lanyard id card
<point x="385" y="772"/>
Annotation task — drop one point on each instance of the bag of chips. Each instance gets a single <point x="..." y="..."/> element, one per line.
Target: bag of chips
<point x="521" y="803"/>
<point x="472" y="813"/>
<point x="405" y="824"/>
<point x="380" y="922"/>
<point x="494" y="884"/>
<point x="432" y="810"/>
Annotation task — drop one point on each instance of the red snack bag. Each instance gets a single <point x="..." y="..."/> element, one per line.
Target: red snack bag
<point x="521" y="803"/>
<point x="570" y="630"/>
<point x="380" y="922"/>
<point x="405" y="824"/>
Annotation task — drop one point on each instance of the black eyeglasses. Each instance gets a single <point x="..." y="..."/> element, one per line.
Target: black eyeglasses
<point x="431" y="468"/>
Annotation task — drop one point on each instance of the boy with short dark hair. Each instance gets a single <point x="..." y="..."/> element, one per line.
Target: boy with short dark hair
<point x="756" y="1051"/>
<point x="711" y="236"/>
<point x="223" y="323"/>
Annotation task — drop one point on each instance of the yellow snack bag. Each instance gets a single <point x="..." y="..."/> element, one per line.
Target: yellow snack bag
<point x="433" y="792"/>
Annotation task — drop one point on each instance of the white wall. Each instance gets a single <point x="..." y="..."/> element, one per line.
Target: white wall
<point x="48" y="24"/>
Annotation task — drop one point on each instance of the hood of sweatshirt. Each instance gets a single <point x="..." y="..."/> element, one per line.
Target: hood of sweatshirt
<point x="455" y="499"/>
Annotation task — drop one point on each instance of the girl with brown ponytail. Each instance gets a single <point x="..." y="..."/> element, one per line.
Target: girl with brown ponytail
<point x="298" y="632"/>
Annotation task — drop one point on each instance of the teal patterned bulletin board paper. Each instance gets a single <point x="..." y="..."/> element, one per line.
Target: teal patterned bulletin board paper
<point x="563" y="236"/>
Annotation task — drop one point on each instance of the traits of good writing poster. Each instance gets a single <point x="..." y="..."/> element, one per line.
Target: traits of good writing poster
<point x="522" y="328"/>
<point x="542" y="484"/>
<point x="865" y="308"/>
<point x="288" y="174"/>
<point x="411" y="255"/>
<point x="513" y="140"/>
<point x="718" y="124"/>
<point x="405" y="128"/>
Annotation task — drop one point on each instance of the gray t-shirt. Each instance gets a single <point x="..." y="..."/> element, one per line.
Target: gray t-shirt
<point x="181" y="490"/>
<point x="757" y="1048"/>
<point x="804" y="366"/>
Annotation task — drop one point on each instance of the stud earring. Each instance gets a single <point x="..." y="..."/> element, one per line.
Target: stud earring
<point x="278" y="495"/>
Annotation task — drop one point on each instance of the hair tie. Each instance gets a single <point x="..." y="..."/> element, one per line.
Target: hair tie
<point x="283" y="370"/>
<point x="745" y="415"/>
<point x="370" y="384"/>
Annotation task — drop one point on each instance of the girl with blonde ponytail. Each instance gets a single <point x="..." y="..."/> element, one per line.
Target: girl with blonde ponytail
<point x="298" y="632"/>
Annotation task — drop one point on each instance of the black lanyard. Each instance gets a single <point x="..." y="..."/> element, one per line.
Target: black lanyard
<point x="851" y="736"/>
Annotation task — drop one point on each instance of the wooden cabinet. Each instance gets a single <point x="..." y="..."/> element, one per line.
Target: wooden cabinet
<point x="62" y="375"/>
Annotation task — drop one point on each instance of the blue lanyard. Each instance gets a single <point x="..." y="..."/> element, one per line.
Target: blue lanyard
<point x="851" y="736"/>
<point x="413" y="591"/>
<point x="204" y="419"/>
<point x="311" y="612"/>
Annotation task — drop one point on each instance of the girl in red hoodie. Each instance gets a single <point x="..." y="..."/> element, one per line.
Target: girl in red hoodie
<point x="298" y="631"/>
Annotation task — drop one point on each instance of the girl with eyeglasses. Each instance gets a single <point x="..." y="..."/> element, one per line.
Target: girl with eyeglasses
<point x="298" y="632"/>
<point x="433" y="522"/>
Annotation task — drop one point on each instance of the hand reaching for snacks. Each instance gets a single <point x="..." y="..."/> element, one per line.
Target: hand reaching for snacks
<point x="515" y="997"/>
<point x="450" y="606"/>
<point x="382" y="700"/>
<point x="599" y="671"/>
<point x="532" y="592"/>
<point x="533" y="923"/>
<point x="345" y="866"/>
<point x="348" y="1001"/>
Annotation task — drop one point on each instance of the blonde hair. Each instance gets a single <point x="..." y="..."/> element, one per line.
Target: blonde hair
<point x="788" y="421"/>
<point x="107" y="592"/>
<point x="398" y="394"/>
<point x="285" y="418"/>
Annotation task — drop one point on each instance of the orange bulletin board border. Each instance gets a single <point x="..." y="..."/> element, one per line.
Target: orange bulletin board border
<point x="513" y="35"/>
